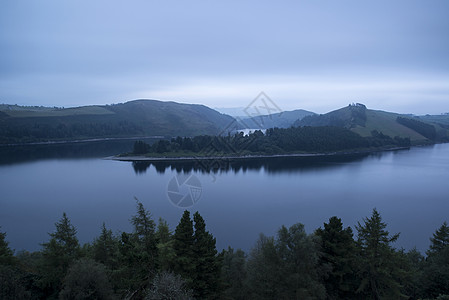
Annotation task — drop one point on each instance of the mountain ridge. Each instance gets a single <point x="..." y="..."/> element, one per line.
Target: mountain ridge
<point x="134" y="118"/>
<point x="144" y="117"/>
<point x="359" y="119"/>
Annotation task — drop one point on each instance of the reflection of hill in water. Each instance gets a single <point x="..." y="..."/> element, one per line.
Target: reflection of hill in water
<point x="69" y="150"/>
<point x="270" y="165"/>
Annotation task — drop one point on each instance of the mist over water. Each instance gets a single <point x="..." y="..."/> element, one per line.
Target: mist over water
<point x="238" y="200"/>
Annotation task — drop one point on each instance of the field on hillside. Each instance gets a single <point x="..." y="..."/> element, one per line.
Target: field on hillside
<point x="30" y="111"/>
<point x="385" y="122"/>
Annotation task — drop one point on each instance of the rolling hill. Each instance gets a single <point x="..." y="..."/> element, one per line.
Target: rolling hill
<point x="20" y="124"/>
<point x="365" y="121"/>
<point x="281" y="120"/>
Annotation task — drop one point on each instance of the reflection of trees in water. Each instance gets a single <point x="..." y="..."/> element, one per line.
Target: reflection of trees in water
<point x="271" y="165"/>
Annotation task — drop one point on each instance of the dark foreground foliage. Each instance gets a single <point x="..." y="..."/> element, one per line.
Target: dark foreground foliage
<point x="152" y="262"/>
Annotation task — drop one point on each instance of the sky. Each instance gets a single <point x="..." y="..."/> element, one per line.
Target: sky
<point x="314" y="55"/>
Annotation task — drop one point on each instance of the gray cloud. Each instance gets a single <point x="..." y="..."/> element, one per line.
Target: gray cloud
<point x="83" y="52"/>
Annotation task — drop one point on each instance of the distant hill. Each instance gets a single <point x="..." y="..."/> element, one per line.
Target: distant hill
<point x="232" y="111"/>
<point x="442" y="120"/>
<point x="281" y="120"/>
<point x="135" y="118"/>
<point x="365" y="121"/>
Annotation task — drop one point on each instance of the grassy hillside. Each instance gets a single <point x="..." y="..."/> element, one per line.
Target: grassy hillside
<point x="280" y="120"/>
<point x="364" y="121"/>
<point x="31" y="111"/>
<point x="437" y="119"/>
<point x="386" y="123"/>
<point x="135" y="118"/>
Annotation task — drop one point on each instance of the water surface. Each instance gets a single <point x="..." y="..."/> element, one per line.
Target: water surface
<point x="410" y="188"/>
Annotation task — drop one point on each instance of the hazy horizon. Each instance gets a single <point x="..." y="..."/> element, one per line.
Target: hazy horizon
<point x="392" y="56"/>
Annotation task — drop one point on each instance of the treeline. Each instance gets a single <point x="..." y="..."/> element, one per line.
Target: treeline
<point x="152" y="262"/>
<point x="73" y="127"/>
<point x="274" y="141"/>
<point x="426" y="130"/>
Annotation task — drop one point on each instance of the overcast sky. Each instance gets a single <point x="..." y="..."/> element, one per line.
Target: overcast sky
<point x="315" y="55"/>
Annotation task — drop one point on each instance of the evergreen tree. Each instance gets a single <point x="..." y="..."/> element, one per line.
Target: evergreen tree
<point x="379" y="272"/>
<point x="436" y="266"/>
<point x="61" y="250"/>
<point x="206" y="261"/>
<point x="299" y="263"/>
<point x="105" y="248"/>
<point x="12" y="280"/>
<point x="166" y="253"/>
<point x="411" y="263"/>
<point x="286" y="268"/>
<point x="138" y="254"/>
<point x="439" y="240"/>
<point x="6" y="254"/>
<point x="234" y="274"/>
<point x="183" y="247"/>
<point x="338" y="252"/>
<point x="145" y="238"/>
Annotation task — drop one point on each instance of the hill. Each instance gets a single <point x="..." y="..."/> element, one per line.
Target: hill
<point x="367" y="122"/>
<point x="281" y="120"/>
<point x="442" y="120"/>
<point x="19" y="124"/>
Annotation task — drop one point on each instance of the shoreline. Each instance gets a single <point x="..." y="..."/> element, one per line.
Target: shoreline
<point x="133" y="158"/>
<point x="82" y="141"/>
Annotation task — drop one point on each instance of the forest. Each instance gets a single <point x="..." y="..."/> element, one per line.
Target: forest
<point x="154" y="262"/>
<point x="274" y="141"/>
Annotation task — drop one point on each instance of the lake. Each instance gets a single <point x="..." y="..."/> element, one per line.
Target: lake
<point x="410" y="188"/>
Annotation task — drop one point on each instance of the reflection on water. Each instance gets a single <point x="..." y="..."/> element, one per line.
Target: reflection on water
<point x="72" y="150"/>
<point x="242" y="199"/>
<point x="269" y="164"/>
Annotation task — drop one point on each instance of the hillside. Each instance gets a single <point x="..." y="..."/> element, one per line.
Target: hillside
<point x="442" y="120"/>
<point x="364" y="121"/>
<point x="281" y="120"/>
<point x="20" y="124"/>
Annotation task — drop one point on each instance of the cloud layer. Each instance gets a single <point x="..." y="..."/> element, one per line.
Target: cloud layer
<point x="304" y="54"/>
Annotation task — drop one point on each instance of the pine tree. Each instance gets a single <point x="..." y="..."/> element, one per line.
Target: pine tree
<point x="206" y="261"/>
<point x="12" y="279"/>
<point x="299" y="264"/>
<point x="105" y="248"/>
<point x="440" y="239"/>
<point x="436" y="266"/>
<point x="145" y="238"/>
<point x="138" y="253"/>
<point x="166" y="253"/>
<point x="183" y="247"/>
<point x="412" y="281"/>
<point x="234" y="274"/>
<point x="379" y="272"/>
<point x="338" y="252"/>
<point x="286" y="267"/>
<point x="6" y="254"/>
<point x="61" y="250"/>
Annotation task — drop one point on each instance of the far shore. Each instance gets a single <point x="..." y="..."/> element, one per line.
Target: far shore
<point x="243" y="157"/>
<point x="106" y="139"/>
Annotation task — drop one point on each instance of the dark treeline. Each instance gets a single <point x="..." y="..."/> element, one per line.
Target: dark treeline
<point x="426" y="130"/>
<point x="152" y="262"/>
<point x="28" y="130"/>
<point x="274" y="141"/>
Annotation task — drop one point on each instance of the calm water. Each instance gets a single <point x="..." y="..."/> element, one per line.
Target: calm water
<point x="410" y="189"/>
